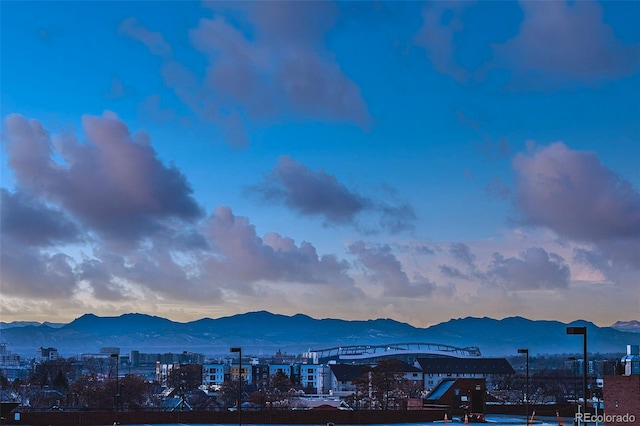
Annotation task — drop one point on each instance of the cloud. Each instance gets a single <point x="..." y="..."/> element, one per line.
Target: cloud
<point x="154" y="41"/>
<point x="462" y="253"/>
<point x="113" y="182"/>
<point x="241" y="256"/>
<point x="29" y="273"/>
<point x="310" y="193"/>
<point x="316" y="193"/>
<point x="566" y="41"/>
<point x="452" y="272"/>
<point x="574" y="194"/>
<point x="497" y="189"/>
<point x="284" y="67"/>
<point x="265" y="61"/>
<point x="29" y="222"/>
<point x="534" y="269"/>
<point x="441" y="22"/>
<point x="559" y="43"/>
<point x="382" y="267"/>
<point x="101" y="280"/>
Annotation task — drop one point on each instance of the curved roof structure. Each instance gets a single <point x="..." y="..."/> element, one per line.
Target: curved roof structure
<point x="404" y="351"/>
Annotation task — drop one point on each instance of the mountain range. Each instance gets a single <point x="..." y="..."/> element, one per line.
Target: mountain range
<point x="264" y="333"/>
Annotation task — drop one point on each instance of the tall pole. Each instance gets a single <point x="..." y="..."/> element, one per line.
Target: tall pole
<point x="526" y="395"/>
<point x="116" y="357"/>
<point x="583" y="332"/>
<point x="239" y="351"/>
<point x="575" y="384"/>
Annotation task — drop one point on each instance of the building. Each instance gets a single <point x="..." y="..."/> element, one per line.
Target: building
<point x="314" y="377"/>
<point x="436" y="369"/>
<point x="459" y="397"/>
<point x="406" y="352"/>
<point x="46" y="354"/>
<point x="247" y="372"/>
<point x="343" y="378"/>
<point x="214" y="375"/>
<point x="621" y="391"/>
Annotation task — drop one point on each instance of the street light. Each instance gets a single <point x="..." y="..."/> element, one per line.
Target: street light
<point x="239" y="351"/>
<point x="583" y="331"/>
<point x="526" y="395"/>
<point x="575" y="385"/>
<point x="116" y="356"/>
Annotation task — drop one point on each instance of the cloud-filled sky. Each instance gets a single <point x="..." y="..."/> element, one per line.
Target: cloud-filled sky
<point x="354" y="160"/>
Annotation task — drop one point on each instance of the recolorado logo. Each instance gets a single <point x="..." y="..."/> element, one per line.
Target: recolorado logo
<point x="606" y="418"/>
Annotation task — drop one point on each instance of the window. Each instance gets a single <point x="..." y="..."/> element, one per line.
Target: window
<point x="310" y="378"/>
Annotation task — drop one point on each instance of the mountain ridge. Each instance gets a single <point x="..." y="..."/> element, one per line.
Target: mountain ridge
<point x="265" y="332"/>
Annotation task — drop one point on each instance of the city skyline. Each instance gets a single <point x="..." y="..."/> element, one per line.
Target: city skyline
<point x="405" y="160"/>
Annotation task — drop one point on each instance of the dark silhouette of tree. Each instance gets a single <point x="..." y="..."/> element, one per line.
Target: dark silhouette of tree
<point x="60" y="382"/>
<point x="185" y="378"/>
<point x="260" y="398"/>
<point x="4" y="382"/>
<point x="386" y="383"/>
<point x="359" y="400"/>
<point x="134" y="391"/>
<point x="45" y="374"/>
<point x="88" y="392"/>
<point x="280" y="382"/>
<point x="228" y="393"/>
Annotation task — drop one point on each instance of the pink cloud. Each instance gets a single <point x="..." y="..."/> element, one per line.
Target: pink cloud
<point x="381" y="266"/>
<point x="241" y="256"/>
<point x="567" y="40"/>
<point x="533" y="269"/>
<point x="113" y="182"/>
<point x="282" y="69"/>
<point x="576" y="196"/>
<point x="317" y="193"/>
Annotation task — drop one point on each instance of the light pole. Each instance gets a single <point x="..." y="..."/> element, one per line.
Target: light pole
<point x="575" y="386"/>
<point x="526" y="395"/>
<point x="116" y="357"/>
<point x="583" y="331"/>
<point x="239" y="351"/>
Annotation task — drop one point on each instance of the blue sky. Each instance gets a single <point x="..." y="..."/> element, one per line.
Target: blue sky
<point x="417" y="161"/>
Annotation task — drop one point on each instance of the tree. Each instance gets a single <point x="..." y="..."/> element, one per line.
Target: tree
<point x="280" y="382"/>
<point x="60" y="382"/>
<point x="83" y="392"/>
<point x="134" y="391"/>
<point x="228" y="393"/>
<point x="186" y="378"/>
<point x="359" y="400"/>
<point x="386" y="383"/>
<point x="46" y="373"/>
<point x="4" y="382"/>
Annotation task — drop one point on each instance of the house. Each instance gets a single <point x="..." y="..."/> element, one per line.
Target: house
<point x="436" y="369"/>
<point x="459" y="397"/>
<point x="411" y="374"/>
<point x="343" y="376"/>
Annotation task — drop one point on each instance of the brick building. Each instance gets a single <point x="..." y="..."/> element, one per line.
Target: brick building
<point x="622" y="400"/>
<point x="621" y="391"/>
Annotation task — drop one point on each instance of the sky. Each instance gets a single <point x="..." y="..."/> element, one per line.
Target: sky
<point x="354" y="160"/>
